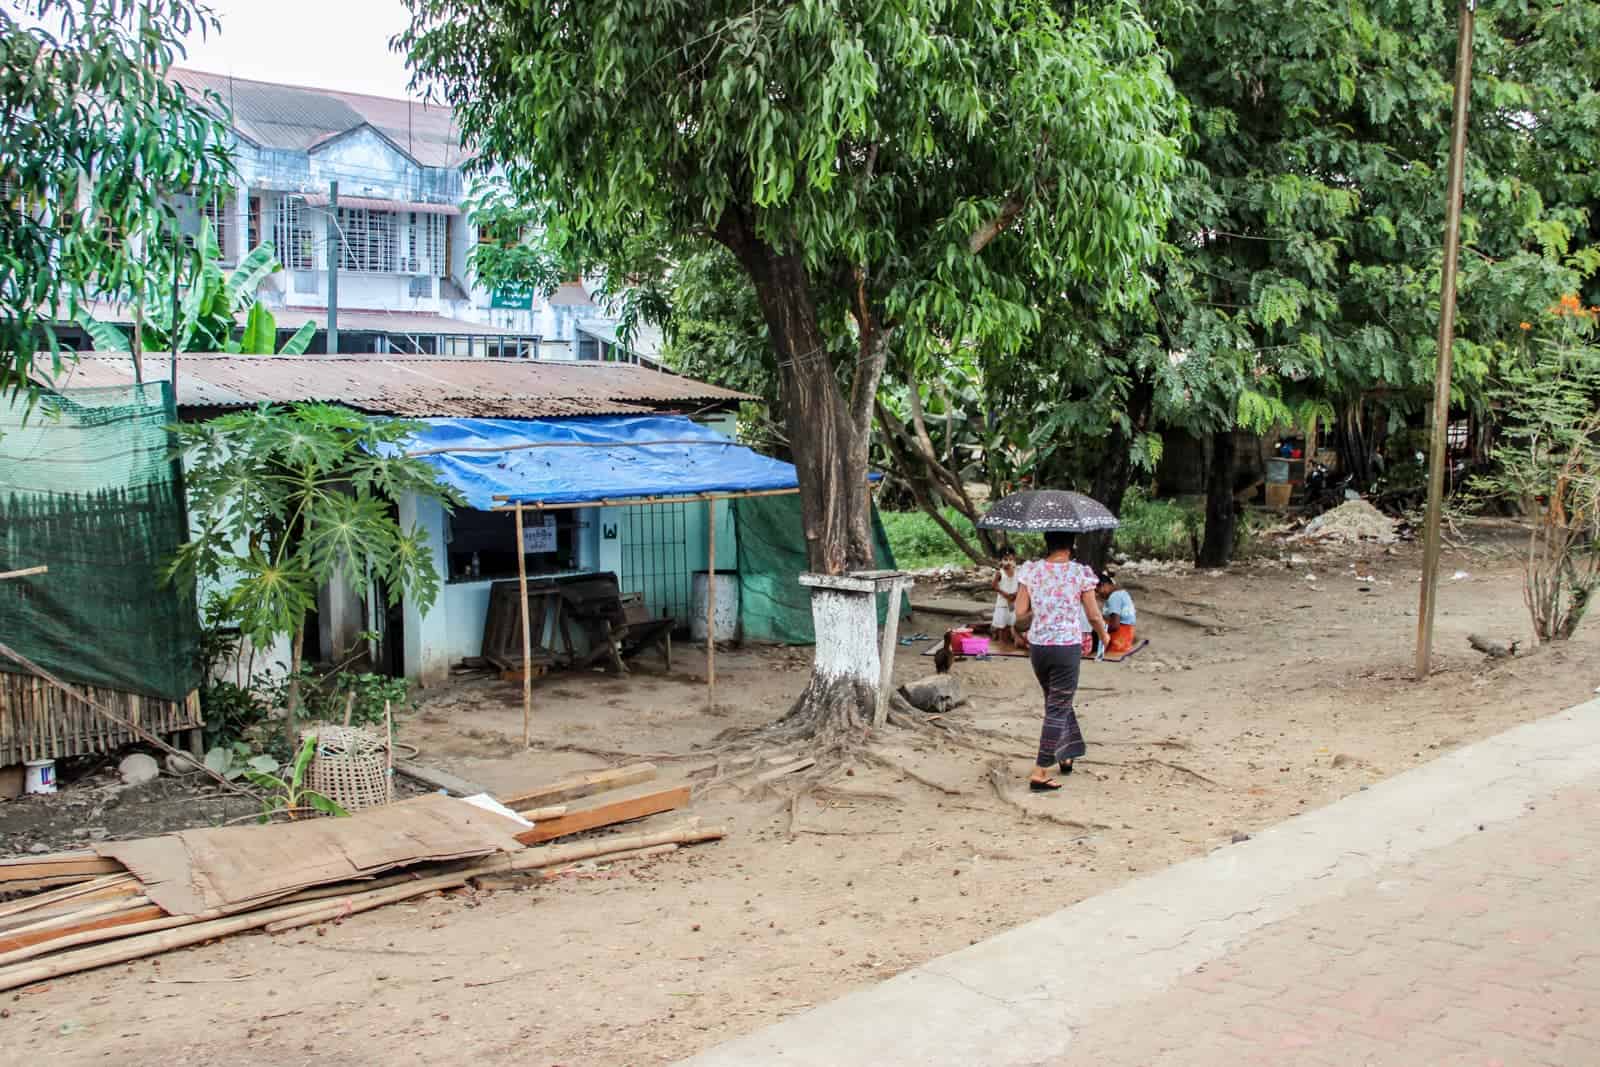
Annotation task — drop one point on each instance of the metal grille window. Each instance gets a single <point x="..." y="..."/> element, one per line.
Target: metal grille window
<point x="220" y="211"/>
<point x="253" y="221"/>
<point x="655" y="558"/>
<point x="428" y="240"/>
<point x="369" y="240"/>
<point x="291" y="235"/>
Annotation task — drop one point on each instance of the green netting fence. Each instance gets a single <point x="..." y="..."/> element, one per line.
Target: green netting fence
<point x="773" y="606"/>
<point x="88" y="489"/>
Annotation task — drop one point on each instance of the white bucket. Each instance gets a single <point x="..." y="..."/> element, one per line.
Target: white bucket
<point x="41" y="776"/>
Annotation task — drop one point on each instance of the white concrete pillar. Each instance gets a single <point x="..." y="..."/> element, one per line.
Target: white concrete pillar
<point x="845" y="613"/>
<point x="427" y="635"/>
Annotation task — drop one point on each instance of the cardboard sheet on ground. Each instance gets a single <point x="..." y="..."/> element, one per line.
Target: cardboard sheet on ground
<point x="234" y="867"/>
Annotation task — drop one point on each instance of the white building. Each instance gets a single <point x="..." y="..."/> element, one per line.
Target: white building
<point x="404" y="282"/>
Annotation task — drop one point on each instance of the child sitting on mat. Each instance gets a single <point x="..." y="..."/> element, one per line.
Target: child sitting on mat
<point x="1120" y="615"/>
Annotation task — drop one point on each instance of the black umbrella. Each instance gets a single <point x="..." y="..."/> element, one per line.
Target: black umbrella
<point x="1048" y="511"/>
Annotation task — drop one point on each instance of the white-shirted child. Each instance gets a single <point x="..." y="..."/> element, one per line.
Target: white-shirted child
<point x="1004" y="623"/>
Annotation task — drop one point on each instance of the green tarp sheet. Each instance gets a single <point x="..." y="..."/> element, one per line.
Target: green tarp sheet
<point x="773" y="606"/>
<point x="88" y="489"/>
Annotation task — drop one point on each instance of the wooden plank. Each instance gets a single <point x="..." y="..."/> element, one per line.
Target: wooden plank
<point x="607" y="814"/>
<point x="47" y="867"/>
<point x="891" y="634"/>
<point x="11" y="943"/>
<point x="581" y="786"/>
<point x="450" y="783"/>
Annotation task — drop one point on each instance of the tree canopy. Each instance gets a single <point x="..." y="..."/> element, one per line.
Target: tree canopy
<point x="885" y="175"/>
<point x="95" y="141"/>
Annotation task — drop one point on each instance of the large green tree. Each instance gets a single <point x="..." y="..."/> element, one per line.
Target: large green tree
<point x="95" y="142"/>
<point x="1306" y="239"/>
<point x="885" y="175"/>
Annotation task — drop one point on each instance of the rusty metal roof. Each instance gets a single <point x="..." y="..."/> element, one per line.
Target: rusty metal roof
<point x="415" y="388"/>
<point x="299" y="118"/>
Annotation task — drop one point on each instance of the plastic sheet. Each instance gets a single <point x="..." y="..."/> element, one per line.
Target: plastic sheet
<point x="582" y="460"/>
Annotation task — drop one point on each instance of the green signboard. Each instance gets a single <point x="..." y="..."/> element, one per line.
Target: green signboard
<point x="512" y="299"/>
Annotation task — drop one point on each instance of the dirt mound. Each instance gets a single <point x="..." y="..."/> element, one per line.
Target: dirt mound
<point x="1354" y="520"/>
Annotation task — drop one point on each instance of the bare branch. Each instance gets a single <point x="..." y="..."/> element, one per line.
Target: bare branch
<point x="990" y="230"/>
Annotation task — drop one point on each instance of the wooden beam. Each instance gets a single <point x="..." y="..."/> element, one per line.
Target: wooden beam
<point x="891" y="644"/>
<point x="82" y="866"/>
<point x="617" y="811"/>
<point x="581" y="786"/>
<point x="28" y="938"/>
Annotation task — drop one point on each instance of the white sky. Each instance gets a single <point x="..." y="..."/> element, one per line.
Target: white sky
<point x="325" y="44"/>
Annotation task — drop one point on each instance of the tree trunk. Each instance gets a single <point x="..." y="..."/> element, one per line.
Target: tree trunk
<point x="291" y="718"/>
<point x="1221" y="515"/>
<point x="829" y="440"/>
<point x="1115" y="473"/>
<point x="830" y="461"/>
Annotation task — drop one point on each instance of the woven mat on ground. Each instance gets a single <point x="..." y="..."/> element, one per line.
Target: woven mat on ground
<point x="238" y="867"/>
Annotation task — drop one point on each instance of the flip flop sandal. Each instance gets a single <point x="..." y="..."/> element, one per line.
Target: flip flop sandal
<point x="1066" y="767"/>
<point x="1049" y="785"/>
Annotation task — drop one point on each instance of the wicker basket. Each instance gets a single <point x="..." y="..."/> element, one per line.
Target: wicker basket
<point x="351" y="767"/>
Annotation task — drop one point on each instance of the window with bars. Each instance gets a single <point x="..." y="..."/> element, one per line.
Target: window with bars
<point x="369" y="241"/>
<point x="429" y="238"/>
<point x="292" y="236"/>
<point x="389" y="242"/>
<point x="253" y="221"/>
<point x="220" y="212"/>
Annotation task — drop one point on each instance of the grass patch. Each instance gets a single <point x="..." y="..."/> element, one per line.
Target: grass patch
<point x="1151" y="529"/>
<point x="919" y="543"/>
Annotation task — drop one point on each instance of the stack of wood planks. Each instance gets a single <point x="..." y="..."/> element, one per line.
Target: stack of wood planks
<point x="74" y="911"/>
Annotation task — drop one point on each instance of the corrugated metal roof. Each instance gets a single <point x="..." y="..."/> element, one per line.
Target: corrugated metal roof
<point x="407" y="322"/>
<point x="298" y="118"/>
<point x="480" y="388"/>
<point x="351" y="320"/>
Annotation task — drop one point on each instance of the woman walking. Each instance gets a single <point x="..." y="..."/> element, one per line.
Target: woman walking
<point x="1059" y="594"/>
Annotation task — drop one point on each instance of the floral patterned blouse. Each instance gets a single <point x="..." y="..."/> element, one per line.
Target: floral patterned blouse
<point x="1056" y="592"/>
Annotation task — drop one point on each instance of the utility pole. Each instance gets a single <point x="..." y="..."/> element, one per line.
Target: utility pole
<point x="333" y="268"/>
<point x="1437" y="457"/>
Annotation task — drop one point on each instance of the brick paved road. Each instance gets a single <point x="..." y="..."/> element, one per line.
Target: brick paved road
<point x="1448" y="915"/>
<point x="1485" y="952"/>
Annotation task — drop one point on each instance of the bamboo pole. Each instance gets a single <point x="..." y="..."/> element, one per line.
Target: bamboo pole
<point x="617" y="502"/>
<point x="67" y="893"/>
<point x="711" y="604"/>
<point x="527" y="635"/>
<point x="26" y="572"/>
<point x="1438" y="456"/>
<point x="89" y="910"/>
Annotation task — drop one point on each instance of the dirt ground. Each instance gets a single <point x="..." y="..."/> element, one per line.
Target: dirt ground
<point x="1266" y="692"/>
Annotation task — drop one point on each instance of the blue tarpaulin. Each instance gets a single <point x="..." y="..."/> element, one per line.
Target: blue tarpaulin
<point x="581" y="460"/>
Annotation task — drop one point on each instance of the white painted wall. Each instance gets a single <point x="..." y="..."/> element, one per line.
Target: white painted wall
<point x="452" y="629"/>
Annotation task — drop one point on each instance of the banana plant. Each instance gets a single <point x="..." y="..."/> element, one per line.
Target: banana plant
<point x="208" y="308"/>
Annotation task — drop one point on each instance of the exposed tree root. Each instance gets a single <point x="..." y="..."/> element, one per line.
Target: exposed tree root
<point x="1150" y="761"/>
<point x="1000" y="782"/>
<point x="900" y="768"/>
<point x="833" y="792"/>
